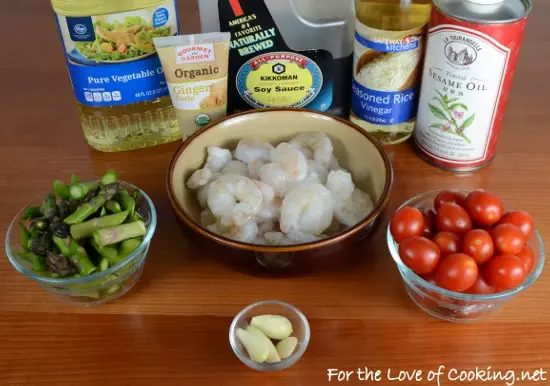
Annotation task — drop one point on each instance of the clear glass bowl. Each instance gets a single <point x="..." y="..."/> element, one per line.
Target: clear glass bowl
<point x="455" y="306"/>
<point x="98" y="288"/>
<point x="300" y="326"/>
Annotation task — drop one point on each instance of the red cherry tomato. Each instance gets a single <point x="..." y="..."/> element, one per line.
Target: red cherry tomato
<point x="429" y="223"/>
<point x="478" y="244"/>
<point x="527" y="255"/>
<point x="406" y="222"/>
<point x="447" y="242"/>
<point x="505" y="272"/>
<point x="453" y="196"/>
<point x="484" y="207"/>
<point x="520" y="219"/>
<point x="480" y="287"/>
<point x="456" y="272"/>
<point x="419" y="254"/>
<point x="453" y="218"/>
<point x="508" y="238"/>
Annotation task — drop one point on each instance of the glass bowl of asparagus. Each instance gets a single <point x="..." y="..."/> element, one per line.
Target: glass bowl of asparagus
<point x="85" y="242"/>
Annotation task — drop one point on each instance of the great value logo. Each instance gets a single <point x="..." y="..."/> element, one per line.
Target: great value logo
<point x="197" y="53"/>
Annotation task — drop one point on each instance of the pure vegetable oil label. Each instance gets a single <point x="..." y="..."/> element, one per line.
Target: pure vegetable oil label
<point x="386" y="74"/>
<point x="111" y="58"/>
<point x="264" y="72"/>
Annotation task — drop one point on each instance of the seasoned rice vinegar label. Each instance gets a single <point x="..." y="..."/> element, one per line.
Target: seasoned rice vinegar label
<point x="386" y="74"/>
<point x="463" y="77"/>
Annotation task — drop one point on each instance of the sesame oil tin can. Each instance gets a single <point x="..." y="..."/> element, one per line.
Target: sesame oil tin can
<point x="472" y="50"/>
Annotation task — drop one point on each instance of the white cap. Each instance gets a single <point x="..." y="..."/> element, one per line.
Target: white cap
<point x="486" y="2"/>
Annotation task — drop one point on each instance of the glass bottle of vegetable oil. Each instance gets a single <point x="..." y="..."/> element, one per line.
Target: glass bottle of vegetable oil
<point x="387" y="66"/>
<point x="116" y="75"/>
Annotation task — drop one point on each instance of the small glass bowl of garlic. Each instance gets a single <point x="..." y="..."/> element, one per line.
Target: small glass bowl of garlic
<point x="269" y="335"/>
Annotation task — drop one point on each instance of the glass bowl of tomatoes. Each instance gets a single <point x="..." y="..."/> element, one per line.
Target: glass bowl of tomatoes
<point x="461" y="254"/>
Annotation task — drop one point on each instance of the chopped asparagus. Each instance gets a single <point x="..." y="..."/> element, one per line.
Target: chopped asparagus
<point x="110" y="191"/>
<point x="110" y="253"/>
<point x="113" y="290"/>
<point x="85" y="210"/>
<point x="126" y="202"/>
<point x="76" y="192"/>
<point x="25" y="237"/>
<point x="38" y="263"/>
<point x="40" y="245"/>
<point x="81" y="260"/>
<point x="127" y="247"/>
<point x="104" y="264"/>
<point x="80" y="191"/>
<point x="32" y="213"/>
<point x="108" y="178"/>
<point x="39" y="225"/>
<point x="86" y="229"/>
<point x="65" y="245"/>
<point x="113" y="235"/>
<point x="49" y="207"/>
<point x="113" y="206"/>
<point x="74" y="179"/>
<point x="136" y="194"/>
<point x="61" y="189"/>
<point x="103" y="211"/>
<point x="59" y="265"/>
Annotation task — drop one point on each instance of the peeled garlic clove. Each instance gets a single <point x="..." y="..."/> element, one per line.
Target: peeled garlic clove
<point x="273" y="356"/>
<point x="286" y="347"/>
<point x="257" y="349"/>
<point x="273" y="326"/>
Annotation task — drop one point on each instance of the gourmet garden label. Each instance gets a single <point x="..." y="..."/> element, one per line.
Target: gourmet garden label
<point x="469" y="66"/>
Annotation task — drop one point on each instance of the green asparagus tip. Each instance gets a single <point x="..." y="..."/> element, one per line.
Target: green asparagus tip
<point x="61" y="189"/>
<point x="74" y="179"/>
<point x="109" y="178"/>
<point x="32" y="213"/>
<point x="76" y="192"/>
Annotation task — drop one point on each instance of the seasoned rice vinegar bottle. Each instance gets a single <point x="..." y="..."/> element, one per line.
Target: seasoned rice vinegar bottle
<point x="387" y="66"/>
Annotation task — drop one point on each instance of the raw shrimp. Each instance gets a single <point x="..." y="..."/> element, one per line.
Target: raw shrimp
<point x="199" y="178"/>
<point x="246" y="232"/>
<point x="308" y="208"/>
<point x="254" y="168"/>
<point x="271" y="205"/>
<point x="351" y="211"/>
<point x="300" y="237"/>
<point x="319" y="143"/>
<point x="266" y="226"/>
<point x="236" y="167"/>
<point x="234" y="198"/>
<point x="260" y="240"/>
<point x="333" y="164"/>
<point x="202" y="192"/>
<point x="274" y="175"/>
<point x="305" y="151"/>
<point x="248" y="151"/>
<point x="217" y="158"/>
<point x="277" y="238"/>
<point x="334" y="227"/>
<point x="207" y="218"/>
<point x="340" y="184"/>
<point x="320" y="170"/>
<point x="294" y="163"/>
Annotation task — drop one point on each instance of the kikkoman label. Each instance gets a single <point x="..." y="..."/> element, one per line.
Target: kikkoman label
<point x="279" y="79"/>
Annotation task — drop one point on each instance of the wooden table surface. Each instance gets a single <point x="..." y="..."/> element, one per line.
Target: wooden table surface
<point x="173" y="327"/>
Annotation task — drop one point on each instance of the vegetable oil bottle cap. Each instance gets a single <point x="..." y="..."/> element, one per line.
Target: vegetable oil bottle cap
<point x="485" y="2"/>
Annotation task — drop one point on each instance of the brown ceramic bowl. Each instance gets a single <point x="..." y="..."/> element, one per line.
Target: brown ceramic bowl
<point x="356" y="151"/>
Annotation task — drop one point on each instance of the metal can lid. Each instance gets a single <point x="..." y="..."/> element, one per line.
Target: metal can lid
<point x="485" y="2"/>
<point x="485" y="11"/>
